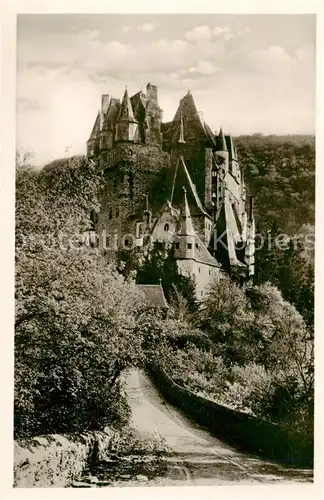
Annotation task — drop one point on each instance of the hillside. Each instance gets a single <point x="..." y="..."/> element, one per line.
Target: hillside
<point x="280" y="173"/>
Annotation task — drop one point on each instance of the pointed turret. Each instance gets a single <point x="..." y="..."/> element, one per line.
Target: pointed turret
<point x="185" y="221"/>
<point x="185" y="235"/>
<point x="126" y="111"/>
<point x="221" y="142"/>
<point x="127" y="126"/>
<point x="181" y="139"/>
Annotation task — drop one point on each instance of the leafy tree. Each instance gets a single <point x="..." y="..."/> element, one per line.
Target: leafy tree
<point x="75" y="315"/>
<point x="288" y="263"/>
<point x="226" y="317"/>
<point x="158" y="265"/>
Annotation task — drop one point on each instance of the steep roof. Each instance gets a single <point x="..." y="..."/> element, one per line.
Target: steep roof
<point x="203" y="255"/>
<point x="227" y="225"/>
<point x="112" y="112"/>
<point x="193" y="125"/>
<point x="137" y="100"/>
<point x="182" y="178"/>
<point x="96" y="127"/>
<point x="185" y="227"/>
<point x="230" y="147"/>
<point x="154" y="295"/>
<point x="220" y="141"/>
<point x="126" y="112"/>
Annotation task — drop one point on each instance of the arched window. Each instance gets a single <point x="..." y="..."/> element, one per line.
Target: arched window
<point x="166" y="227"/>
<point x="110" y="213"/>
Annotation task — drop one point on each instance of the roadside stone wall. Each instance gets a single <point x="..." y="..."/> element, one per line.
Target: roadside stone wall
<point x="54" y="461"/>
<point x="239" y="429"/>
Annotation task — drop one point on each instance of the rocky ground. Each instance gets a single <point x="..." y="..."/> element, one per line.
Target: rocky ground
<point x="193" y="457"/>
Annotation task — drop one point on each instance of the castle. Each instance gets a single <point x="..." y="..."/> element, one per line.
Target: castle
<point x="176" y="185"/>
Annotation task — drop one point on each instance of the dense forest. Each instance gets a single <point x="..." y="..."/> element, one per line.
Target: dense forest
<point x="280" y="173"/>
<point x="80" y="321"/>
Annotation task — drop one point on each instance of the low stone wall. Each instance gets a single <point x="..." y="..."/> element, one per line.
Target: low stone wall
<point x="54" y="460"/>
<point x="240" y="429"/>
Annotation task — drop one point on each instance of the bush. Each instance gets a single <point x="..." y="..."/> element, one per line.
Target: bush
<point x="75" y="314"/>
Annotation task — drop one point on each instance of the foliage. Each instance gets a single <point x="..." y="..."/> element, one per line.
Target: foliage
<point x="75" y="315"/>
<point x="249" y="389"/>
<point x="289" y="264"/>
<point x="280" y="171"/>
<point x="178" y="289"/>
<point x="226" y="317"/>
<point x="198" y="370"/>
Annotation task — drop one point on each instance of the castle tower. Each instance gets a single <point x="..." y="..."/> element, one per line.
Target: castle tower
<point x="222" y="154"/>
<point x="105" y="102"/>
<point x="185" y="238"/>
<point x="233" y="161"/>
<point x="250" y="243"/>
<point x="126" y="126"/>
<point x="153" y="116"/>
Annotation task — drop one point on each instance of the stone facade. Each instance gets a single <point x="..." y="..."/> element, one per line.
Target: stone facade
<point x="157" y="175"/>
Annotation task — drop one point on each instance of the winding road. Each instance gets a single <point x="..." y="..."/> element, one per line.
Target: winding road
<point x="197" y="458"/>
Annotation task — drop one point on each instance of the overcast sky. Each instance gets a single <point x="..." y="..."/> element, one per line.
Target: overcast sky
<point x="250" y="73"/>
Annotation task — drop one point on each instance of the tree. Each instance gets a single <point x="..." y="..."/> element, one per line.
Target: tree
<point x="75" y="314"/>
<point x="160" y="264"/>
<point x="226" y="317"/>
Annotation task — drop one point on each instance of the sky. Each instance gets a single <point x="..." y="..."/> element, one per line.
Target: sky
<point x="247" y="73"/>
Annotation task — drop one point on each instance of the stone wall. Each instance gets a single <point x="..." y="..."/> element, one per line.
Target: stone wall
<point x="54" y="461"/>
<point x="239" y="429"/>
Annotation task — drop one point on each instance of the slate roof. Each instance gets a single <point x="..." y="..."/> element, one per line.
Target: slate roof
<point x="126" y="112"/>
<point x="154" y="295"/>
<point x="182" y="178"/>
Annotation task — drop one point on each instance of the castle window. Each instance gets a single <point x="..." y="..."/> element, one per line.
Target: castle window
<point x="106" y="242"/>
<point x="139" y="229"/>
<point x="177" y="245"/>
<point x="117" y="212"/>
<point x="189" y="246"/>
<point x="209" y="272"/>
<point x="166" y="227"/>
<point x="110" y="213"/>
<point x="126" y="243"/>
<point x="198" y="269"/>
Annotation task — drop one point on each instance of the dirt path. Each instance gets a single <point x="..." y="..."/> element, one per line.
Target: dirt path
<point x="203" y="458"/>
<point x="196" y="458"/>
